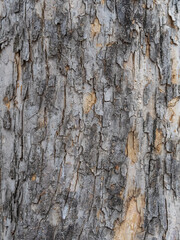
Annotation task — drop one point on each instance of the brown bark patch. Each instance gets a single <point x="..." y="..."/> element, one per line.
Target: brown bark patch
<point x="147" y="48"/>
<point x="173" y="102"/>
<point x="7" y="102"/>
<point x="99" y="45"/>
<point x="89" y="100"/>
<point x="33" y="178"/>
<point x="95" y="27"/>
<point x="67" y="68"/>
<point x="132" y="147"/>
<point x="128" y="229"/>
<point x="110" y="44"/>
<point x="172" y="115"/>
<point x="158" y="141"/>
<point x="8" y="105"/>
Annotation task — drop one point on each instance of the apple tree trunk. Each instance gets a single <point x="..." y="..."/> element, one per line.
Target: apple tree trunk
<point x="90" y="119"/>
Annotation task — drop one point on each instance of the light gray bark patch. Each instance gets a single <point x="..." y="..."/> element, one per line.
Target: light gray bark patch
<point x="110" y="5"/>
<point x="147" y="94"/>
<point x="36" y="27"/>
<point x="165" y="57"/>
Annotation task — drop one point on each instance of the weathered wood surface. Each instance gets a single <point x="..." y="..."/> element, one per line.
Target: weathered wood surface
<point x="90" y="119"/>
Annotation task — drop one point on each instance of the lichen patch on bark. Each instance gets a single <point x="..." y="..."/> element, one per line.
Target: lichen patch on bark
<point x="89" y="100"/>
<point x="132" y="147"/>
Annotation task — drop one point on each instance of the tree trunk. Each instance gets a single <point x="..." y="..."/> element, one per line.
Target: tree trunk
<point x="90" y="119"/>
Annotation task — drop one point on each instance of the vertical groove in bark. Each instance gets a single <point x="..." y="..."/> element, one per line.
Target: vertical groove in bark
<point x="89" y="127"/>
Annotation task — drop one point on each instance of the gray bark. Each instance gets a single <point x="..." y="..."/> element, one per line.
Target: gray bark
<point x="90" y="119"/>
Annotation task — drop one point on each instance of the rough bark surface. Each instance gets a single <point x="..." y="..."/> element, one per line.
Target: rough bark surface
<point x="90" y="119"/>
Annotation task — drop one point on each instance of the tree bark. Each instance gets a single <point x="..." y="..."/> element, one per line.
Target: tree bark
<point x="90" y="119"/>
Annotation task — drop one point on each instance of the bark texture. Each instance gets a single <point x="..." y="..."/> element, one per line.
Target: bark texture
<point x="90" y="119"/>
